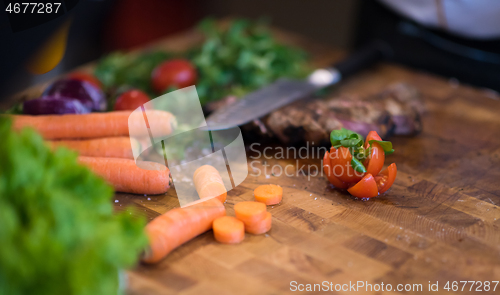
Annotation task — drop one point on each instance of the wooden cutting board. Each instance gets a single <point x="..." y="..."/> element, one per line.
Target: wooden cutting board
<point x="439" y="222"/>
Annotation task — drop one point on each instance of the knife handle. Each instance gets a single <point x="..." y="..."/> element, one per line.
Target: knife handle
<point x="363" y="58"/>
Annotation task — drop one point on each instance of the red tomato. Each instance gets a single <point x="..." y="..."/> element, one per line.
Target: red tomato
<point x="365" y="188"/>
<point x="131" y="100"/>
<point x="327" y="168"/>
<point x="373" y="135"/>
<point x="87" y="78"/>
<point x="376" y="160"/>
<point x="386" y="178"/>
<point x="178" y="73"/>
<point x="340" y="161"/>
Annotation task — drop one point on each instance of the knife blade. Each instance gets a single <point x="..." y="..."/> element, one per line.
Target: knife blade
<point x="284" y="91"/>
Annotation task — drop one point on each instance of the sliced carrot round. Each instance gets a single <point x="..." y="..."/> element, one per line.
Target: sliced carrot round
<point x="260" y="227"/>
<point x="209" y="184"/>
<point x="228" y="230"/>
<point x="250" y="212"/>
<point x="269" y="194"/>
<point x="365" y="188"/>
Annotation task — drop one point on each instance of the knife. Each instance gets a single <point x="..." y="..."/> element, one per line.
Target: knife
<point x="284" y="91"/>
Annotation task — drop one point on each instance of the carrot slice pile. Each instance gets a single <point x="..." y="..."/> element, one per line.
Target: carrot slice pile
<point x="208" y="183"/>
<point x="250" y="212"/>
<point x="228" y="230"/>
<point x="260" y="227"/>
<point x="268" y="194"/>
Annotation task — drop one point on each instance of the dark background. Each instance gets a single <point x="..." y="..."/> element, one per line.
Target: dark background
<point x="101" y="26"/>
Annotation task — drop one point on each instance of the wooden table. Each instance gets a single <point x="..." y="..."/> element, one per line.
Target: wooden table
<point x="439" y="222"/>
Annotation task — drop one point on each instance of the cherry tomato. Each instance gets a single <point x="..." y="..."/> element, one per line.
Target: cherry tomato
<point x="365" y="188"/>
<point x="386" y="178"/>
<point x="376" y="160"/>
<point x="178" y="73"/>
<point x="87" y="78"/>
<point x="131" y="100"/>
<point x="340" y="161"/>
<point x="327" y="168"/>
<point x="373" y="135"/>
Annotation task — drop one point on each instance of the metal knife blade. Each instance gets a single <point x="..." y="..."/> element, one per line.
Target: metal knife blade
<point x="270" y="98"/>
<point x="285" y="91"/>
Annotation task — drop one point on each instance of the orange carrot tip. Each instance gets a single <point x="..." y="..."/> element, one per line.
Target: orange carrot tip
<point x="260" y="227"/>
<point x="268" y="194"/>
<point x="250" y="212"/>
<point x="228" y="230"/>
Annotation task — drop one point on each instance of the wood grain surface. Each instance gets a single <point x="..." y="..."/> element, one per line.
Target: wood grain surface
<point x="439" y="222"/>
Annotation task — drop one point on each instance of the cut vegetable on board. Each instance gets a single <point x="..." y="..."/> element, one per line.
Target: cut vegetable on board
<point x="177" y="226"/>
<point x="126" y="176"/>
<point x="355" y="164"/>
<point x="250" y="212"/>
<point x="209" y="184"/>
<point x="94" y="125"/>
<point x="228" y="230"/>
<point x="269" y="194"/>
<point x="107" y="147"/>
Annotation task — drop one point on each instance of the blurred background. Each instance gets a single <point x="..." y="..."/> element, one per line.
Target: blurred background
<point x="422" y="34"/>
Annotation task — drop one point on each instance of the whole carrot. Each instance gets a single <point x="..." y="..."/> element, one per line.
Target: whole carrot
<point x="126" y="176"/>
<point x="95" y="125"/>
<point x="108" y="147"/>
<point x="208" y="183"/>
<point x="172" y="229"/>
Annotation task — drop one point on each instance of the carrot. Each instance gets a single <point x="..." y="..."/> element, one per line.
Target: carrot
<point x="208" y="183"/>
<point x="228" y="230"/>
<point x="95" y="125"/>
<point x="126" y="176"/>
<point x="177" y="226"/>
<point x="111" y="147"/>
<point x="268" y="194"/>
<point x="260" y="227"/>
<point x="250" y="212"/>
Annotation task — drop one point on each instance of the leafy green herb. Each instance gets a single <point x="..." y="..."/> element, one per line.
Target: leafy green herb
<point x="58" y="230"/>
<point x="386" y="146"/>
<point x="242" y="58"/>
<point x="357" y="165"/>
<point x="346" y="138"/>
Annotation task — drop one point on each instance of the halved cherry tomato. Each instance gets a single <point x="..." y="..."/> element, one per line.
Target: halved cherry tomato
<point x="375" y="161"/>
<point x="386" y="178"/>
<point x="327" y="168"/>
<point x="365" y="188"/>
<point x="86" y="77"/>
<point x="372" y="135"/>
<point x="178" y="73"/>
<point x="131" y="100"/>
<point x="340" y="161"/>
